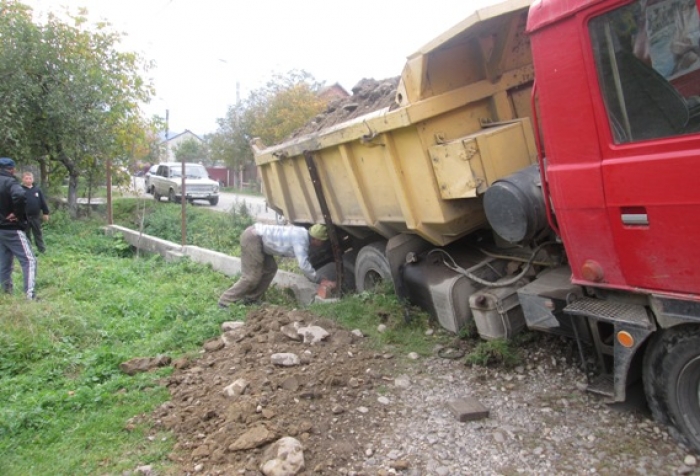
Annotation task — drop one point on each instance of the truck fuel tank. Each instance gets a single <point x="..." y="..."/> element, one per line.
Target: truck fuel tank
<point x="444" y="293"/>
<point x="514" y="206"/>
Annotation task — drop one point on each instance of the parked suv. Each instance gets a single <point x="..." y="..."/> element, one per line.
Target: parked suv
<point x="147" y="178"/>
<point x="167" y="182"/>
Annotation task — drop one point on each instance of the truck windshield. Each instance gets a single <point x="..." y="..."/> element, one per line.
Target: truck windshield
<point x="648" y="60"/>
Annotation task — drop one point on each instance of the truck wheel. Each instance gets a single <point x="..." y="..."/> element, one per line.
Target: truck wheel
<point x="214" y="201"/>
<point x="156" y="195"/>
<point x="171" y="196"/>
<point x="372" y="267"/>
<point x="672" y="382"/>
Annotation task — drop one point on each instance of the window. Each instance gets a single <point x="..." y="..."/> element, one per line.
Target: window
<point x="647" y="56"/>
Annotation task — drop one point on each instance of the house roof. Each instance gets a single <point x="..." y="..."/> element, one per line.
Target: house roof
<point x="333" y="91"/>
<point x="173" y="135"/>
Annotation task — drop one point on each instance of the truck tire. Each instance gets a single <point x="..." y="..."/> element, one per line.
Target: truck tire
<point x="372" y="267"/>
<point x="171" y="196"/>
<point x="156" y="195"/>
<point x="214" y="201"/>
<point x="672" y="382"/>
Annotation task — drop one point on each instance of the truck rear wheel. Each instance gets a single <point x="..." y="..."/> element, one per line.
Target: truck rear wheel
<point x="372" y="267"/>
<point x="672" y="382"/>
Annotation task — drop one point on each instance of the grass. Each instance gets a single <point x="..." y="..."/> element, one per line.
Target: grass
<point x="365" y="311"/>
<point x="205" y="228"/>
<point x="253" y="191"/>
<point x="66" y="408"/>
<point x="65" y="402"/>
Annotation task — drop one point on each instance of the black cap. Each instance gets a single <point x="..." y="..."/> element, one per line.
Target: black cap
<point x="7" y="163"/>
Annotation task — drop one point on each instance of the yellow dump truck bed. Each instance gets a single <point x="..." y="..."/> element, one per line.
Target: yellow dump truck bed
<point x="462" y="121"/>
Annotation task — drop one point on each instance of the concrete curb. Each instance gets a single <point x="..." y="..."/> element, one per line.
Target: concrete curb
<point x="304" y="290"/>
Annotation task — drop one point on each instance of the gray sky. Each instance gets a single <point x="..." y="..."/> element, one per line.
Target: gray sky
<point x="203" y="48"/>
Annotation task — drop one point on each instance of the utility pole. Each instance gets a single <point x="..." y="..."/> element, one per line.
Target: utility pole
<point x="167" y="133"/>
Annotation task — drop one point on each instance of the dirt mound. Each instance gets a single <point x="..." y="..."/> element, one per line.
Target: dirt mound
<point x="368" y="95"/>
<point x="331" y="401"/>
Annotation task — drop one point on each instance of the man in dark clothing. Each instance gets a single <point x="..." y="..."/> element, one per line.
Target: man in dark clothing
<point x="13" y="241"/>
<point x="36" y="210"/>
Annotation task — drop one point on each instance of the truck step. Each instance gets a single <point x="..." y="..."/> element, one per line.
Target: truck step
<point x="602" y="385"/>
<point x="610" y="311"/>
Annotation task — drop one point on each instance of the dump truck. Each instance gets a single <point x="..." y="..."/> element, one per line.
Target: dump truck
<point x="539" y="170"/>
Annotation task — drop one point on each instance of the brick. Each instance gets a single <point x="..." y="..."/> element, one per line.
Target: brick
<point x="468" y="409"/>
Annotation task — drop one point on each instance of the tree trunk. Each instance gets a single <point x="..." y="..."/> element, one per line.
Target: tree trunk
<point x="73" y="175"/>
<point x="44" y="174"/>
<point x="73" y="194"/>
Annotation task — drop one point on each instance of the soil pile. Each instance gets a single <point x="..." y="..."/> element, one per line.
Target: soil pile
<point x="368" y="95"/>
<point x="331" y="402"/>
<point x="359" y="412"/>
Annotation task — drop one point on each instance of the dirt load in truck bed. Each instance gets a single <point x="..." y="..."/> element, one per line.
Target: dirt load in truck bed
<point x="368" y="95"/>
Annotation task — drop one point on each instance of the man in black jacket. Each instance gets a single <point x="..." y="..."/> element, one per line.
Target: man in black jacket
<point x="13" y="241"/>
<point x="36" y="210"/>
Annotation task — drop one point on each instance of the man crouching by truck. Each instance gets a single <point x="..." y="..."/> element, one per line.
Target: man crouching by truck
<point x="259" y="245"/>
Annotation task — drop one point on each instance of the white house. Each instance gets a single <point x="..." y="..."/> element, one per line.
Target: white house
<point x="170" y="143"/>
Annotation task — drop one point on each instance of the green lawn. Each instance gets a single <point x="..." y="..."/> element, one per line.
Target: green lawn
<point x="66" y="407"/>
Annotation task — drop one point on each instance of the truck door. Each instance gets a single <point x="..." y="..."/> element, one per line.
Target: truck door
<point x="647" y="59"/>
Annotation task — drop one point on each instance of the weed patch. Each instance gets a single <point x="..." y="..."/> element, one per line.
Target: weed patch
<point x="493" y="353"/>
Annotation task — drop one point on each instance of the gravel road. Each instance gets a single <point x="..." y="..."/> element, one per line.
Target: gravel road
<point x="541" y="421"/>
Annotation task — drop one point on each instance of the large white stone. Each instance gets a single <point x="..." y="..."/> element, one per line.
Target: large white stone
<point x="313" y="334"/>
<point x="236" y="388"/>
<point x="231" y="325"/>
<point x="285" y="457"/>
<point x="285" y="359"/>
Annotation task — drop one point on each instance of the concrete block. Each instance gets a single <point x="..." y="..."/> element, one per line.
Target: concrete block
<point x="304" y="290"/>
<point x="467" y="409"/>
<point x="172" y="255"/>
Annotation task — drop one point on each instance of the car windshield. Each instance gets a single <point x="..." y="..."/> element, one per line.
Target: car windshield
<point x="191" y="171"/>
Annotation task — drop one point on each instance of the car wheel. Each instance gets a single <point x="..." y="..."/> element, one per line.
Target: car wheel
<point x="171" y="196"/>
<point x="156" y="195"/>
<point x="214" y="201"/>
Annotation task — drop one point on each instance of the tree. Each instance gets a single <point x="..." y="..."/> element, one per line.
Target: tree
<point x="78" y="106"/>
<point x="191" y="150"/>
<point x="271" y="113"/>
<point x="19" y="42"/>
<point x="282" y="106"/>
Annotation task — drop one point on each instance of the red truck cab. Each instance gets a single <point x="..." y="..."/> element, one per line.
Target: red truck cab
<point x="620" y="115"/>
<point x="618" y="96"/>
